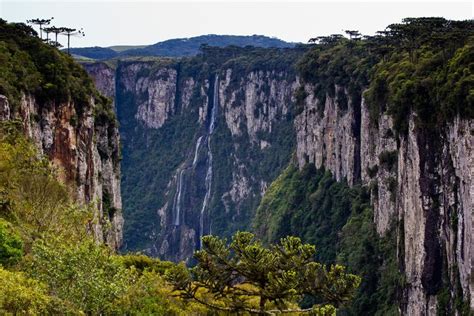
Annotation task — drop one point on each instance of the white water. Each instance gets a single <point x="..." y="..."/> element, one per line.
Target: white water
<point x="208" y="182"/>
<point x="177" y="202"/>
<point x="179" y="185"/>
<point x="196" y="151"/>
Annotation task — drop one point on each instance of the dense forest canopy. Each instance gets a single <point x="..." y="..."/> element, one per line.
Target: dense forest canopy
<point x="422" y="65"/>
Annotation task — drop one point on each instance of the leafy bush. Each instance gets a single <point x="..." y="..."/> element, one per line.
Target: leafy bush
<point x="20" y="295"/>
<point x="11" y="246"/>
<point x="84" y="274"/>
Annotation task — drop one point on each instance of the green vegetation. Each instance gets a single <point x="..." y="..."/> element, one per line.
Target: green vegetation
<point x="49" y="262"/>
<point x="11" y="245"/>
<point x="338" y="219"/>
<point x="30" y="67"/>
<point x="52" y="265"/>
<point x="157" y="153"/>
<point x="20" y="295"/>
<point x="422" y="65"/>
<point x="244" y="276"/>
<point x="428" y="71"/>
<point x="343" y="63"/>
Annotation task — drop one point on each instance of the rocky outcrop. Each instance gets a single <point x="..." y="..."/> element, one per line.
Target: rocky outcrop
<point x="85" y="153"/>
<point x="420" y="179"/>
<point x="104" y="78"/>
<point x="252" y="103"/>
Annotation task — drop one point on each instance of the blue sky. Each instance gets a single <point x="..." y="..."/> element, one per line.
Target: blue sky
<point x="109" y="22"/>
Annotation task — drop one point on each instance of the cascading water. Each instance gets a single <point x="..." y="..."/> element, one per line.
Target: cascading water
<point x="177" y="199"/>
<point x="196" y="151"/>
<point x="208" y="181"/>
<point x="188" y="171"/>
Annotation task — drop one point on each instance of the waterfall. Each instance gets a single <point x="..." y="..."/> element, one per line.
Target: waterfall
<point x="208" y="181"/>
<point x="177" y="199"/>
<point x="196" y="151"/>
<point x="187" y="170"/>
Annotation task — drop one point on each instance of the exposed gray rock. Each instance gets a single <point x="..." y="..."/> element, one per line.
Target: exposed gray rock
<point x="85" y="154"/>
<point x="422" y="183"/>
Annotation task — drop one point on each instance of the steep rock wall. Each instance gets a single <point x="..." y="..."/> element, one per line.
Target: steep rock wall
<point x="165" y="112"/>
<point x="424" y="181"/>
<point x="85" y="153"/>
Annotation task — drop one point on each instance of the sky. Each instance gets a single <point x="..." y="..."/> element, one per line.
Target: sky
<point x="112" y="22"/>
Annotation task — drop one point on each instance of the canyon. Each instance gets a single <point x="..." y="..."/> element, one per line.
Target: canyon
<point x="205" y="137"/>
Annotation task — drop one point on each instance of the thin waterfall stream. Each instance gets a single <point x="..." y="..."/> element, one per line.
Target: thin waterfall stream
<point x="183" y="174"/>
<point x="208" y="181"/>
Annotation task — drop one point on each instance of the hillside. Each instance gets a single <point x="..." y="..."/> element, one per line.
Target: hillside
<point x="182" y="46"/>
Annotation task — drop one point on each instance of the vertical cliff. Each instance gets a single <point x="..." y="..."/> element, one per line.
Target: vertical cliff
<point x="202" y="139"/>
<point x="85" y="153"/>
<point x="422" y="181"/>
<point x="70" y="123"/>
<point x="409" y="139"/>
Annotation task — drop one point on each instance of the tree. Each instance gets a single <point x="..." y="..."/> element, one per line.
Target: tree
<point x="40" y="22"/>
<point x="330" y="40"/>
<point x="71" y="32"/>
<point x="84" y="275"/>
<point x="245" y="276"/>
<point x="353" y="34"/>
<point x="56" y="31"/>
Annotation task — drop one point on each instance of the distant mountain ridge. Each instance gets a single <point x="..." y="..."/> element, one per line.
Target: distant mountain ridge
<point x="183" y="46"/>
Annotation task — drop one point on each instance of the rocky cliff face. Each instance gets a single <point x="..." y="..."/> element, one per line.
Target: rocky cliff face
<point x="422" y="181"/>
<point x="200" y="148"/>
<point x="85" y="152"/>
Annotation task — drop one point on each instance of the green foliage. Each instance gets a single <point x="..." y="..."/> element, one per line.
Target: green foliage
<point x="375" y="259"/>
<point x="141" y="263"/>
<point x="237" y="275"/>
<point x="11" y="245"/>
<point x="30" y="67"/>
<point x="312" y="205"/>
<point x="345" y="64"/>
<point x="428" y="71"/>
<point x="422" y="65"/>
<point x="20" y="295"/>
<point x="309" y="204"/>
<point x="84" y="274"/>
<point x="150" y="294"/>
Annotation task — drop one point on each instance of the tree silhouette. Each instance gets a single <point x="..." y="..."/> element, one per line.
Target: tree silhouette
<point x="40" y="22"/>
<point x="327" y="40"/>
<point x="56" y="31"/>
<point x="353" y="34"/>
<point x="71" y="32"/>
